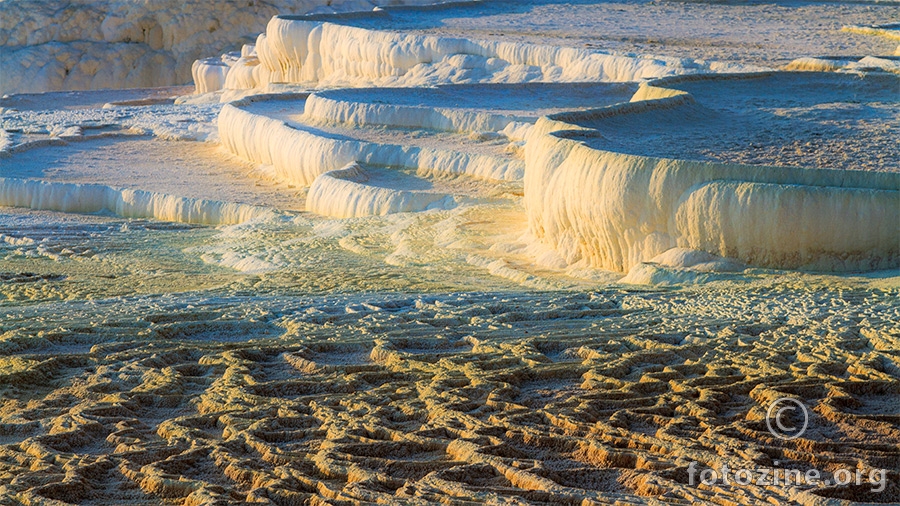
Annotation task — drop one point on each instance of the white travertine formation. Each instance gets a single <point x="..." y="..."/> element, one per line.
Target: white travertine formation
<point x="593" y="204"/>
<point x="95" y="198"/>
<point x="614" y="210"/>
<point x="300" y="156"/>
<point x="889" y="30"/>
<point x="52" y="45"/>
<point x="329" y="106"/>
<point x="409" y="340"/>
<point x="812" y="64"/>
<point x="210" y="73"/>
<point x="596" y="207"/>
<point x="240" y="73"/>
<point x="327" y="54"/>
<point x="344" y="193"/>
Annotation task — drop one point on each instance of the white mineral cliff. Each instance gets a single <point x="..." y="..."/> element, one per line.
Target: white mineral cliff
<point x="95" y="198"/>
<point x="328" y="54"/>
<point x="345" y="193"/>
<point x="300" y="156"/>
<point x="586" y="200"/>
<point x="331" y="106"/>
<point x="615" y="210"/>
<point x="82" y="44"/>
<point x="606" y="209"/>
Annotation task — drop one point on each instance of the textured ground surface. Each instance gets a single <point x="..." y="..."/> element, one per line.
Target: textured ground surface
<point x="521" y="399"/>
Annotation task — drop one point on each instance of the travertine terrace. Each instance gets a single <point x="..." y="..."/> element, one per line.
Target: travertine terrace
<point x="532" y="252"/>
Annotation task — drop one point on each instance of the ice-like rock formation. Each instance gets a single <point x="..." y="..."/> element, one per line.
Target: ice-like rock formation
<point x="594" y="206"/>
<point x="345" y="193"/>
<point x="331" y="106"/>
<point x="825" y="64"/>
<point x="328" y="54"/>
<point x="210" y="74"/>
<point x="681" y="266"/>
<point x="614" y="210"/>
<point x="95" y="198"/>
<point x="301" y="155"/>
<point x="889" y="30"/>
<point x="81" y="44"/>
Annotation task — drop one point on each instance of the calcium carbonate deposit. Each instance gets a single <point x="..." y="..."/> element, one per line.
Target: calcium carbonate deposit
<point x="532" y="252"/>
<point x="53" y="45"/>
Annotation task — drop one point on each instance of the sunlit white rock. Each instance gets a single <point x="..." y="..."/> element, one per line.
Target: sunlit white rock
<point x="344" y="193"/>
<point x="300" y="156"/>
<point x="52" y="45"/>
<point x="95" y="198"/>
<point x="616" y="210"/>
<point x="328" y="54"/>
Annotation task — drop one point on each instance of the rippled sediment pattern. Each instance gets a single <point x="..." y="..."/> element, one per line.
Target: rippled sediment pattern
<point x="496" y="397"/>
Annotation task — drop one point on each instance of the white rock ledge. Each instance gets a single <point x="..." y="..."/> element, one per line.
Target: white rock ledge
<point x="326" y="54"/>
<point x="615" y="210"/>
<point x="344" y="193"/>
<point x="300" y="156"/>
<point x="127" y="203"/>
<point x="55" y="45"/>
